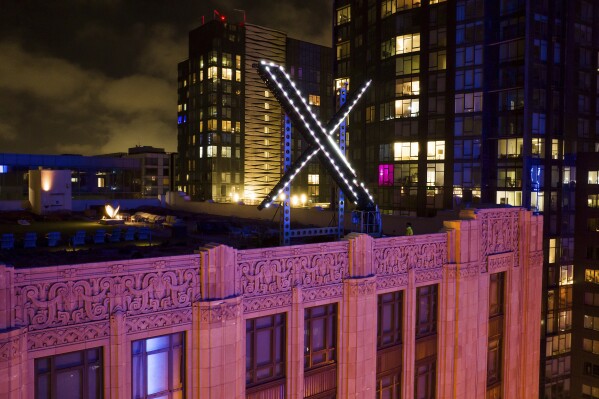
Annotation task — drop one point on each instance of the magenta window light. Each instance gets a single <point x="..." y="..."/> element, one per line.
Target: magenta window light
<point x="386" y="175"/>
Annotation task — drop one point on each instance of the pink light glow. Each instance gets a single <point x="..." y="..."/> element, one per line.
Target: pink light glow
<point x="386" y="175"/>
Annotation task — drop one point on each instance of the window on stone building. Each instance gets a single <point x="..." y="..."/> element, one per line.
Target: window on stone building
<point x="426" y="310"/>
<point x="390" y="311"/>
<point x="158" y="367"/>
<point x="70" y="375"/>
<point x="265" y="349"/>
<point x="495" y="345"/>
<point x="425" y="377"/>
<point x="320" y="335"/>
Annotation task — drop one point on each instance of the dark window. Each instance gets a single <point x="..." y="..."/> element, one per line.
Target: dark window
<point x="265" y="349"/>
<point x="158" y="367"/>
<point x="389" y="319"/>
<point x="389" y="386"/>
<point x="320" y="335"/>
<point x="425" y="379"/>
<point x="496" y="294"/>
<point x="426" y="310"/>
<point x="70" y="375"/>
<point x="495" y="346"/>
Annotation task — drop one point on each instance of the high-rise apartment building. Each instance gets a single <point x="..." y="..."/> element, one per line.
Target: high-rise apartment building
<point x="229" y="124"/>
<point x="479" y="101"/>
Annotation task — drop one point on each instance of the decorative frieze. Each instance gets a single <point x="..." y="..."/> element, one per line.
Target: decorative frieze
<point x="52" y="337"/>
<point x="266" y="302"/>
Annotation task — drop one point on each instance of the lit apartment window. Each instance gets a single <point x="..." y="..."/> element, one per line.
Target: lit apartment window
<point x="406" y="151"/>
<point x="266" y="93"/>
<point x="538" y="147"/>
<point x="238" y="76"/>
<point x="266" y="106"/>
<point x="73" y="374"/>
<point x="509" y="148"/>
<point x="435" y="150"/>
<point x="212" y="124"/>
<point x="341" y="83"/>
<point x="314" y="100"/>
<point x="566" y="275"/>
<point x="407" y="43"/>
<point x="266" y="118"/>
<point x="407" y="108"/>
<point x="435" y="174"/>
<point x="313" y="179"/>
<point x="265" y="350"/>
<point x="226" y="126"/>
<point x="226" y="152"/>
<point x="593" y="177"/>
<point x="343" y="15"/>
<point x="211" y="151"/>
<point x="158" y="367"/>
<point x="213" y="72"/>
<point x="179" y="108"/>
<point x="238" y="61"/>
<point x="227" y="74"/>
<point x="201" y="152"/>
<point x="385" y="175"/>
<point x="513" y="198"/>
<point x="407" y="87"/>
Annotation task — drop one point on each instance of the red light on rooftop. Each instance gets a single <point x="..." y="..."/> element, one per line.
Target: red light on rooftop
<point x="222" y="18"/>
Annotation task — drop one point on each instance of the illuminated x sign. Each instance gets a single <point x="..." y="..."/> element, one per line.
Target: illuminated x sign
<point x="320" y="138"/>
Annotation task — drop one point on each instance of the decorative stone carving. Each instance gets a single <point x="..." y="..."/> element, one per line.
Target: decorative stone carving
<point x="429" y="276"/>
<point x="10" y="349"/>
<point x="465" y="270"/>
<point x="279" y="270"/>
<point x="158" y="320"/>
<point x="50" y="303"/>
<point x="499" y="232"/>
<point x="500" y="262"/>
<point x="535" y="259"/>
<point x="67" y="335"/>
<point x="399" y="254"/>
<point x="362" y="286"/>
<point x="317" y="294"/>
<point x="259" y="303"/>
<point x="392" y="281"/>
<point x="217" y="313"/>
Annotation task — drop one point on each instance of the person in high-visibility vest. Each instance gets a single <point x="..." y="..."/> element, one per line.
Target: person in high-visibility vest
<point x="409" y="231"/>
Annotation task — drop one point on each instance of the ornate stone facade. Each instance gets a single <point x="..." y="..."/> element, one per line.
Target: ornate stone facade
<point x="55" y="310"/>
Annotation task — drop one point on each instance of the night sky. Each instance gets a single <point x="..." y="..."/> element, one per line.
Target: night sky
<point x="99" y="76"/>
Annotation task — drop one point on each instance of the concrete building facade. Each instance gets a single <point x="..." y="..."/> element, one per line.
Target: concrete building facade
<point x="454" y="314"/>
<point x="229" y="124"/>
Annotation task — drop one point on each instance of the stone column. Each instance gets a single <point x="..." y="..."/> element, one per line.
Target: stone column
<point x="295" y="347"/>
<point x="409" y="338"/>
<point x="357" y="370"/>
<point x="119" y="364"/>
<point x="13" y="344"/>
<point x="357" y="363"/>
<point x="13" y="365"/>
<point x="218" y="332"/>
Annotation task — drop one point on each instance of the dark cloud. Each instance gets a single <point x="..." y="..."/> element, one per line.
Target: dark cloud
<point x="91" y="76"/>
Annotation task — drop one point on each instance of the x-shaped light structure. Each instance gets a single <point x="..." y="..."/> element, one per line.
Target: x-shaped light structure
<point x="321" y="139"/>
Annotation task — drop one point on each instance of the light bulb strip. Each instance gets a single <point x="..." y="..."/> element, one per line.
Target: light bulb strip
<point x="280" y="92"/>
